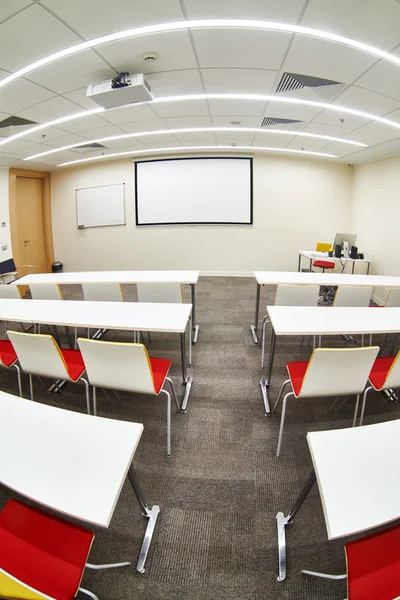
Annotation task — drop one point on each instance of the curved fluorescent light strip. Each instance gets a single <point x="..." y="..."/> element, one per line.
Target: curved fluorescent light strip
<point x="85" y="113"/>
<point x="199" y="130"/>
<point x="205" y="24"/>
<point x="184" y="149"/>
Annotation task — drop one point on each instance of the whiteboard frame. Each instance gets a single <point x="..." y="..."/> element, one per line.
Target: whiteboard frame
<point x="199" y="223"/>
<point x="80" y="227"/>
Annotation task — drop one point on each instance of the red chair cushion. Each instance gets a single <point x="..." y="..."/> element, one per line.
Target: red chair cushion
<point x="324" y="264"/>
<point x="43" y="551"/>
<point x="373" y="566"/>
<point x="160" y="368"/>
<point x="297" y="371"/>
<point x="379" y="371"/>
<point x="74" y="362"/>
<point x="8" y="355"/>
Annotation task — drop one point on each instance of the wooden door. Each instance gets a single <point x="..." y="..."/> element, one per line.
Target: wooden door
<point x="30" y="223"/>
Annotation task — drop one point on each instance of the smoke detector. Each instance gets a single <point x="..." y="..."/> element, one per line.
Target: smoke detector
<point x="150" y="57"/>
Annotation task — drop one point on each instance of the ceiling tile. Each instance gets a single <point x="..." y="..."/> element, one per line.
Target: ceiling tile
<point x="340" y="149"/>
<point x="238" y="81"/>
<point x="325" y="129"/>
<point x="10" y="7"/>
<point x="49" y="110"/>
<point x="48" y="135"/>
<point x="236" y="107"/>
<point x="270" y="143"/>
<point x="125" y="14"/>
<point x="338" y="119"/>
<point x="158" y="139"/>
<point x="287" y="11"/>
<point x="66" y="140"/>
<point x="151" y="144"/>
<point x="225" y="121"/>
<point x="185" y="122"/>
<point x="391" y="148"/>
<point x="375" y="23"/>
<point x="72" y="72"/>
<point x="240" y="139"/>
<point x="384" y="78"/>
<point x="99" y="132"/>
<point x="21" y="94"/>
<point x="125" y="145"/>
<point x="181" y="109"/>
<point x="270" y="136"/>
<point x="374" y="133"/>
<point x="127" y="114"/>
<point x="362" y="99"/>
<point x="84" y="124"/>
<point x="319" y="58"/>
<point x="174" y="51"/>
<point x="291" y="111"/>
<point x="79" y="97"/>
<point x="150" y="125"/>
<point x="193" y="139"/>
<point x="307" y="144"/>
<point x="240" y="48"/>
<point x="175" y="83"/>
<point x="30" y="35"/>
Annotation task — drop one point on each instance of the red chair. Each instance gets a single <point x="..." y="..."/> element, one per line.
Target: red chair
<point x="384" y="375"/>
<point x="8" y="359"/>
<point x="42" y="556"/>
<point x="373" y="566"/>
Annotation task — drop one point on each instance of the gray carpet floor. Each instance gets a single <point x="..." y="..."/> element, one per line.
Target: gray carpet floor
<point x="220" y="490"/>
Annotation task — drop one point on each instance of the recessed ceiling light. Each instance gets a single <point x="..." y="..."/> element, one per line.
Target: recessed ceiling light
<point x="150" y="57"/>
<point x="203" y="24"/>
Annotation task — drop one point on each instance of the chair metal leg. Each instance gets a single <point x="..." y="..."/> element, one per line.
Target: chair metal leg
<point x="356" y="410"/>
<point x="31" y="386"/>
<point x="284" y="384"/>
<point x="190" y="342"/>
<point x="107" y="566"/>
<point x="87" y="395"/>
<point x="278" y="449"/>
<point x="168" y="421"/>
<point x="324" y="575"/>
<point x="90" y="594"/>
<point x="171" y="383"/>
<point x="94" y="402"/>
<point x="263" y="335"/>
<point x="364" y="402"/>
<point x="19" y="379"/>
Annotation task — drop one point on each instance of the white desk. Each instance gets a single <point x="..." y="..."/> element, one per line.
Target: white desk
<point x="129" y="277"/>
<point x="47" y="455"/>
<point x="355" y="470"/>
<point x="131" y="316"/>
<point x="342" y="262"/>
<point x="319" y="320"/>
<point x="330" y="279"/>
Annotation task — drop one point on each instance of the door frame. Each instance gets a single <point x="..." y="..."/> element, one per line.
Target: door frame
<point x="46" y="212"/>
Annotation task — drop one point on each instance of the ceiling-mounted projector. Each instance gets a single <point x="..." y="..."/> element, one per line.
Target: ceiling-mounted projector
<point x="123" y="89"/>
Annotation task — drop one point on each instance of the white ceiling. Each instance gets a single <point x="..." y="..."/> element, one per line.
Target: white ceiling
<point x="199" y="61"/>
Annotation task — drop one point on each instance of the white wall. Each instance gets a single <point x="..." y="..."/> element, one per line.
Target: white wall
<point x="5" y="239"/>
<point x="376" y="215"/>
<point x="297" y="202"/>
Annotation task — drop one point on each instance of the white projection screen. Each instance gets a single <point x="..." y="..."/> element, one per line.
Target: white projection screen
<point x="194" y="191"/>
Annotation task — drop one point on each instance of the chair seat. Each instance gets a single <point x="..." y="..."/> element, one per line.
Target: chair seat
<point x="297" y="371"/>
<point x="42" y="551"/>
<point x="380" y="370"/>
<point x="324" y="264"/>
<point x="160" y="368"/>
<point x="373" y="566"/>
<point x="74" y="361"/>
<point x="8" y="355"/>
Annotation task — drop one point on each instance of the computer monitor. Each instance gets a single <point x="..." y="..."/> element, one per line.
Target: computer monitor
<point x="340" y="238"/>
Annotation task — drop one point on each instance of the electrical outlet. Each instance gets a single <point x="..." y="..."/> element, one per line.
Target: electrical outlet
<point x="4" y="248"/>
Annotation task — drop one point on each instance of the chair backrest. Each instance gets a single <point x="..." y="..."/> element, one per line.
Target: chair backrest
<point x="7" y="266"/>
<point x="103" y="292"/>
<point x="296" y="295"/>
<point x="117" y="365"/>
<point x="46" y="291"/>
<point x="39" y="354"/>
<point x="393" y="376"/>
<point x="349" y="295"/>
<point x="159" y="292"/>
<point x="10" y="292"/>
<point x="338" y="371"/>
<point x="323" y="247"/>
<point x="393" y="298"/>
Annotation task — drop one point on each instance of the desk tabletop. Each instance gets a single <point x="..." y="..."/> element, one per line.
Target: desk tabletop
<point x="324" y="255"/>
<point x="71" y="462"/>
<point x="139" y="316"/>
<point x="330" y="320"/>
<point x="112" y="277"/>
<point x="293" y="277"/>
<point x="356" y="470"/>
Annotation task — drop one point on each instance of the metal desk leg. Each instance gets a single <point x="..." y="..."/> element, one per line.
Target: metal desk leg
<point x="299" y="264"/>
<point x="368" y="265"/>
<point x="186" y="380"/>
<point x="265" y="382"/>
<point x="150" y="513"/>
<point x="253" y="328"/>
<point x="352" y="267"/>
<point x="194" y="326"/>
<point x="282" y="521"/>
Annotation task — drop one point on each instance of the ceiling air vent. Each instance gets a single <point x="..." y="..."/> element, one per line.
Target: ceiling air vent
<point x="90" y="147"/>
<point x="271" y="121"/>
<point x="325" y="88"/>
<point x="15" y="122"/>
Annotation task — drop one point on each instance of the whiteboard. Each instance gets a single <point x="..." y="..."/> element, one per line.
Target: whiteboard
<point x="194" y="191"/>
<point x="101" y="206"/>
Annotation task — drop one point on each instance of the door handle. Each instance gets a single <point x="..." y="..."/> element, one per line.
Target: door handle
<point x="26" y="242"/>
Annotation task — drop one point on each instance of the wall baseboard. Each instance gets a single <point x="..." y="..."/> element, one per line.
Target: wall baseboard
<point x="226" y="273"/>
